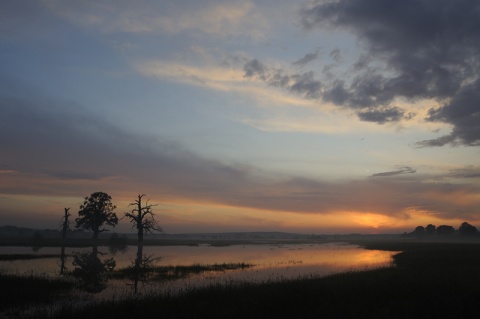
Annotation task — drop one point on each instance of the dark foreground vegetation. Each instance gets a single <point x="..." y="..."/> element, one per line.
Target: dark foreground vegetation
<point x="430" y="280"/>
<point x="25" y="291"/>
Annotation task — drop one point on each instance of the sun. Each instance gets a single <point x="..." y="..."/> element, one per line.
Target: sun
<point x="372" y="220"/>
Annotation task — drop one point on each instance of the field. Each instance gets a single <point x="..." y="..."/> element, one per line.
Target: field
<point x="429" y="280"/>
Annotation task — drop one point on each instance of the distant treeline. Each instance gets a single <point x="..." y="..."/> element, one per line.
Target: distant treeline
<point x="29" y="233"/>
<point x="429" y="231"/>
<point x="23" y="232"/>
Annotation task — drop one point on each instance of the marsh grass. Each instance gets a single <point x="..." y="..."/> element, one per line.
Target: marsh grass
<point x="20" y="292"/>
<point x="429" y="280"/>
<point x="170" y="272"/>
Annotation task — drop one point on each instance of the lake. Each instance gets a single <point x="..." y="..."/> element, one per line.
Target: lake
<point x="271" y="262"/>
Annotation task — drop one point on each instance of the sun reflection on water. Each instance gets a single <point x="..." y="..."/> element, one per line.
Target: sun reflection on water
<point x="271" y="262"/>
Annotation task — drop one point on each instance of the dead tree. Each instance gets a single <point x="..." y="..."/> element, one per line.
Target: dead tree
<point x="142" y="218"/>
<point x="65" y="223"/>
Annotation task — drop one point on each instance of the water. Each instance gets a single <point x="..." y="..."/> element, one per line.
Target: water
<point x="271" y="262"/>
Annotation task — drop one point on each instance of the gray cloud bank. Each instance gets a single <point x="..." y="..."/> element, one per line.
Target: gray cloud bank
<point x="56" y="148"/>
<point x="431" y="49"/>
<point x="414" y="50"/>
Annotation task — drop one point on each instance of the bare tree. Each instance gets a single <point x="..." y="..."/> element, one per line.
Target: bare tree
<point x="65" y="223"/>
<point x="142" y="218"/>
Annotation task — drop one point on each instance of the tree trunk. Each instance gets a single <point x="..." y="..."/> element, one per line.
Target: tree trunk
<point x="140" y="220"/>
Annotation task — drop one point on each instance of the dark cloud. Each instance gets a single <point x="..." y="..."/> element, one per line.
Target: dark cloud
<point x="254" y="68"/>
<point x="430" y="49"/>
<point x="309" y="57"/>
<point x="467" y="172"/>
<point x="303" y="84"/>
<point x="336" y="55"/>
<point x="306" y="84"/>
<point x="400" y="171"/>
<point x="381" y="116"/>
<point x="463" y="111"/>
<point x="440" y="141"/>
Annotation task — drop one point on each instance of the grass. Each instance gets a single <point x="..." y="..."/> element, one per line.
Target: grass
<point x="20" y="292"/>
<point x="430" y="280"/>
<point x="160" y="273"/>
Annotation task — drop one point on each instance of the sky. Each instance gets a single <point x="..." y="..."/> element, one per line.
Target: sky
<point x="320" y="117"/>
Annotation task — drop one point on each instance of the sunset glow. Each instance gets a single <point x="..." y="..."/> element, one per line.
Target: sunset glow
<point x="242" y="115"/>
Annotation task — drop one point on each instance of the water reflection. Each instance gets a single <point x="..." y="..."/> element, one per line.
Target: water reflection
<point x="117" y="244"/>
<point x="63" y="258"/>
<point x="94" y="272"/>
<point x="37" y="242"/>
<point x="142" y="266"/>
<point x="91" y="271"/>
<point x="137" y="267"/>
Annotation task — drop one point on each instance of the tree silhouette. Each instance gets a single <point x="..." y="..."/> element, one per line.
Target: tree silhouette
<point x="65" y="224"/>
<point x="96" y="211"/>
<point x="430" y="230"/>
<point x="467" y="230"/>
<point x="419" y="231"/>
<point x="142" y="218"/>
<point x="445" y="230"/>
<point x="92" y="271"/>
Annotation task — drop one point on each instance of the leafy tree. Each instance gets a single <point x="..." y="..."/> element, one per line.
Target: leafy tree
<point x="96" y="211"/>
<point x="419" y="231"/>
<point x="430" y="230"/>
<point x="445" y="230"/>
<point x="467" y="230"/>
<point x="142" y="218"/>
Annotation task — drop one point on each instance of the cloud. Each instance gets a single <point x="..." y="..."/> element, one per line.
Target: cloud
<point x="7" y="172"/>
<point x="255" y="68"/>
<point x="381" y="116"/>
<point x="303" y="84"/>
<point x="214" y="18"/>
<point x="402" y="170"/>
<point x="225" y="77"/>
<point x="418" y="50"/>
<point x="59" y="149"/>
<point x="77" y="175"/>
<point x="463" y="112"/>
<point x="309" y="57"/>
<point x="466" y="172"/>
